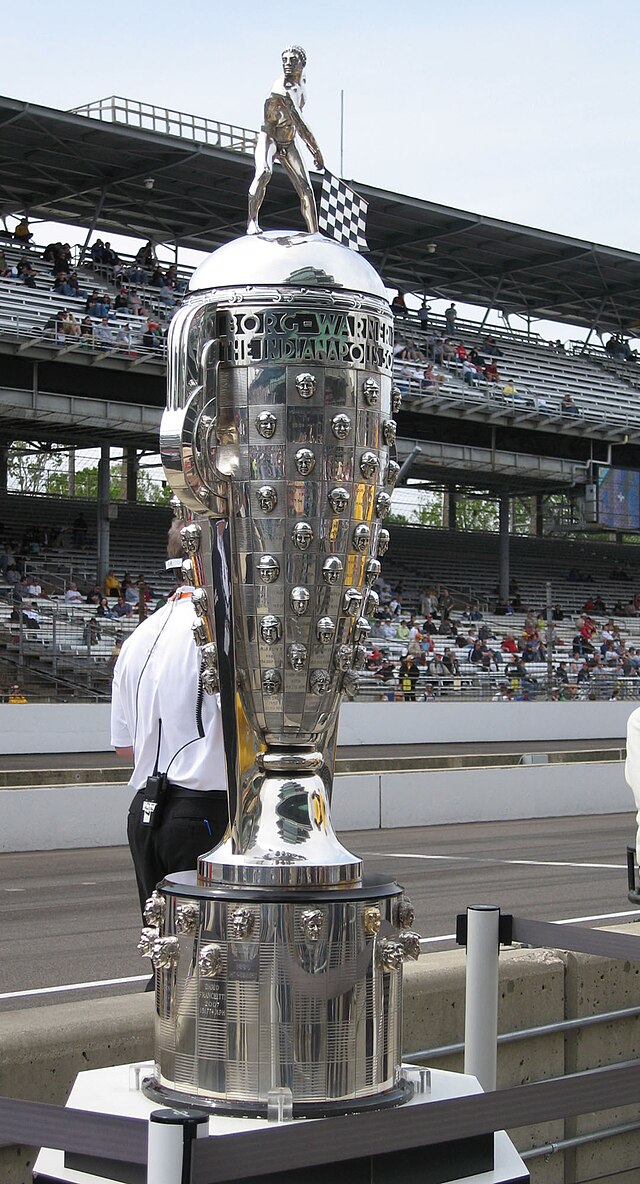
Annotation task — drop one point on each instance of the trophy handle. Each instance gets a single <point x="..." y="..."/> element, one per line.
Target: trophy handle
<point x="189" y="444"/>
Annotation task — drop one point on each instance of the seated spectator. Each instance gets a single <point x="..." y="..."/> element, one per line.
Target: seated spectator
<point x="31" y="616"/>
<point x="121" y="609"/>
<point x="33" y="587"/>
<point x="103" y="609"/>
<point x="398" y="306"/>
<point x="94" y="595"/>
<point x="477" y="651"/>
<point x="146" y="256"/>
<point x="28" y="276"/>
<point x="86" y="329"/>
<point x="157" y="278"/>
<point x="408" y="675"/>
<point x="491" y="372"/>
<point x="22" y="234"/>
<point x="490" y="346"/>
<point x="470" y="373"/>
<point x="69" y="325"/>
<point x="567" y="405"/>
<point x="122" y="299"/>
<point x="103" y="334"/>
<point x="72" y="595"/>
<point x="91" y="633"/>
<point x="510" y="645"/>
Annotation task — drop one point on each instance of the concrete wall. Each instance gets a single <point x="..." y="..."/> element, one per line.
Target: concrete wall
<point x="42" y="1050"/>
<point x="53" y="727"/>
<point x="64" y="816"/>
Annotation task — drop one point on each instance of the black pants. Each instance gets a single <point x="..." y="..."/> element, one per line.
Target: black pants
<point x="192" y="822"/>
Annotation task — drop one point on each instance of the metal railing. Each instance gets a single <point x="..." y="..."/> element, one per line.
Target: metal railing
<point x="169" y="122"/>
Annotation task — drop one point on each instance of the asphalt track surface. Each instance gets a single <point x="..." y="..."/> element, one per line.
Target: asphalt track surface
<point x="71" y="918"/>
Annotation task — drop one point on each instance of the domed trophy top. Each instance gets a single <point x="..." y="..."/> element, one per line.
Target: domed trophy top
<point x="295" y="259"/>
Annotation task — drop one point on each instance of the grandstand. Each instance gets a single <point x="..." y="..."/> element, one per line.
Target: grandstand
<point x="105" y="388"/>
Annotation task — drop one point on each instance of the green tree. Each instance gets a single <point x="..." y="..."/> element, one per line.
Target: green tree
<point x="31" y="464"/>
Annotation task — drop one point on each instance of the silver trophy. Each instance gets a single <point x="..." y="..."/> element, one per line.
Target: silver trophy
<point x="278" y="967"/>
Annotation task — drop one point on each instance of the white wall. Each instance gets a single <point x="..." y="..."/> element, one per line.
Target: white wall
<point x="52" y="727"/>
<point x="63" y="816"/>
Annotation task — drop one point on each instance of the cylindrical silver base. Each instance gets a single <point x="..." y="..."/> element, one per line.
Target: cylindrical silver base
<point x="295" y="989"/>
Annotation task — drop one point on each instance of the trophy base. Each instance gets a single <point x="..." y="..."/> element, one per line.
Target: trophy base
<point x="271" y="989"/>
<point x="163" y="1096"/>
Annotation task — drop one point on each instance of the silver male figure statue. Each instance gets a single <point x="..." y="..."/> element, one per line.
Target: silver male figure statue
<point x="276" y="141"/>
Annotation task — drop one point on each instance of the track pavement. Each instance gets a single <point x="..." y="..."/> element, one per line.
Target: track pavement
<point x="70" y="917"/>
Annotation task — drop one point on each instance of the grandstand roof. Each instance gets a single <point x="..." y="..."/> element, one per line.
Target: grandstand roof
<point x="65" y="167"/>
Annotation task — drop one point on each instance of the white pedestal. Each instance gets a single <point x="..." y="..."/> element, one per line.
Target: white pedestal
<point x="109" y="1091"/>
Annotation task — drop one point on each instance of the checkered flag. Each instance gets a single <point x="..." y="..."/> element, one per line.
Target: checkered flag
<point x="343" y="213"/>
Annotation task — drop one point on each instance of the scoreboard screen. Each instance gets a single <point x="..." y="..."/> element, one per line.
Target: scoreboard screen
<point x="619" y="498"/>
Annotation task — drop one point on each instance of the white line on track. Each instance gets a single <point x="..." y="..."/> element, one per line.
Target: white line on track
<point x="104" y="982"/>
<point x="483" y="859"/>
<point x="15" y="890"/>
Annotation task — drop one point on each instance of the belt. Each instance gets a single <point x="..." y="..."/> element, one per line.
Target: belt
<point x="181" y="791"/>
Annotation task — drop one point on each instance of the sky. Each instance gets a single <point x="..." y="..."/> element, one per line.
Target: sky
<point x="525" y="110"/>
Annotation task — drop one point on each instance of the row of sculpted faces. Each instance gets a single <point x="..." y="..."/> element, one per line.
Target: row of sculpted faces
<point x="338" y="498"/>
<point x="341" y="424"/>
<point x="268" y="567"/>
<point x="302" y="533"/>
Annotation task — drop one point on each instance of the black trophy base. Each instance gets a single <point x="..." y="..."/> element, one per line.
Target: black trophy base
<point x="163" y="1096"/>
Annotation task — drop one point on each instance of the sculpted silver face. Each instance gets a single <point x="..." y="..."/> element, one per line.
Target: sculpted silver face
<point x="187" y="917"/>
<point x="369" y="464"/>
<point x="372" y="570"/>
<point x="338" y="499"/>
<point x="270" y="629"/>
<point x="200" y="635"/>
<point x="332" y="570"/>
<point x="166" y="951"/>
<point x="325" y="630"/>
<point x="396" y="399"/>
<point x="305" y="461"/>
<point x="302" y="536"/>
<point x="242" y="922"/>
<point x="361" y="629"/>
<point x="350" y="684"/>
<point x="391" y="475"/>
<point x="371" y="603"/>
<point x="300" y="598"/>
<point x="187" y="571"/>
<point x="297" y="655"/>
<point x="191" y="536"/>
<point x="268" y="569"/>
<point x="271" y="682"/>
<point x="267" y="498"/>
<point x="341" y="426"/>
<point x="343" y="657"/>
<point x="383" y="541"/>
<point x="352" y="602"/>
<point x="320" y="681"/>
<point x="371" y="392"/>
<point x="361" y="536"/>
<point x="306" y="386"/>
<point x="359" y="657"/>
<point x="266" y="424"/>
<point x="209" y="668"/>
<point x="389" y="431"/>
<point x="210" y="961"/>
<point x="383" y="505"/>
<point x="200" y="602"/>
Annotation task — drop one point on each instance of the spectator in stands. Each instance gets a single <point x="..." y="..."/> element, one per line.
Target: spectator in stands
<point x="504" y="694"/>
<point x="503" y="608"/>
<point x="91" y="633"/>
<point x="477" y="652"/>
<point x="28" y="276"/>
<point x="31" y="616"/>
<point x="470" y="373"/>
<point x="74" y="283"/>
<point x="398" y="306"/>
<point x="5" y="270"/>
<point x="109" y="257"/>
<point x="80" y="530"/>
<point x="121" y="609"/>
<point x="94" y="595"/>
<point x="557" y="613"/>
<point x="157" y="277"/>
<point x="146" y="256"/>
<point x="445" y="603"/>
<point x="22" y="234"/>
<point x="122" y="299"/>
<point x="567" y="405"/>
<point x="510" y="390"/>
<point x="34" y="588"/>
<point x="69" y="324"/>
<point x="423" y="314"/>
<point x="16" y="695"/>
<point x="97" y="251"/>
<point x="534" y="651"/>
<point x="509" y="644"/>
<point x="461" y="352"/>
<point x="408" y="675"/>
<point x="112" y="583"/>
<point x="584" y="673"/>
<point x="93" y="301"/>
<point x="490" y="346"/>
<point x="86" y="329"/>
<point x="72" y="595"/>
<point x="491" y="372"/>
<point x="152" y="336"/>
<point x="103" y="609"/>
<point x="103" y="334"/>
<point x="450" y="318"/>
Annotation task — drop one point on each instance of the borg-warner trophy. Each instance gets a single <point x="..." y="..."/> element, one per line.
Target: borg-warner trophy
<point x="278" y="965"/>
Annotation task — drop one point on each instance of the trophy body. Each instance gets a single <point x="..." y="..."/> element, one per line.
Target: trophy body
<point x="278" y="965"/>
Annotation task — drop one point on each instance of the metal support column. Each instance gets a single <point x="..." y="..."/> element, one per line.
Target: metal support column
<point x="4" y="465"/>
<point x="550" y="643"/>
<point x="451" y="501"/>
<point x="130" y="473"/>
<point x="481" y="1001"/>
<point x="102" y="516"/>
<point x="503" y="579"/>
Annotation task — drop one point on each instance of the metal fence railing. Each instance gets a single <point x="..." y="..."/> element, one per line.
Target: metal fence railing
<point x="166" y="120"/>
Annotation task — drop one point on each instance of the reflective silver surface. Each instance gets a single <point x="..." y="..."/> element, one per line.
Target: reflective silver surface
<point x="270" y="994"/>
<point x="278" y="426"/>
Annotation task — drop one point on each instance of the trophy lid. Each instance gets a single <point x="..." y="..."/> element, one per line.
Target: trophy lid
<point x="291" y="258"/>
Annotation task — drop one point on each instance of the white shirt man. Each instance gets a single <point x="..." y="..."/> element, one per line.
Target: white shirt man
<point x="72" y="596"/>
<point x="165" y="724"/>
